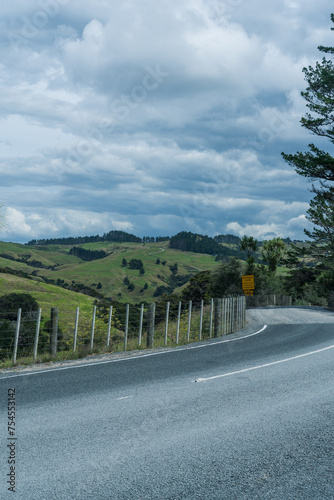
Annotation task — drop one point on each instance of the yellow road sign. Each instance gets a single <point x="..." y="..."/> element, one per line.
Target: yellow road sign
<point x="248" y="282"/>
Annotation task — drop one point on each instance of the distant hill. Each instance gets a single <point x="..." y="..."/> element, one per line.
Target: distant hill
<point x="106" y="269"/>
<point x="227" y="238"/>
<point x="117" y="236"/>
<point x="197" y="243"/>
<point x="103" y="267"/>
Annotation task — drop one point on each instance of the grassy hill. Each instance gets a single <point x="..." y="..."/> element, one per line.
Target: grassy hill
<point x="106" y="275"/>
<point x="46" y="295"/>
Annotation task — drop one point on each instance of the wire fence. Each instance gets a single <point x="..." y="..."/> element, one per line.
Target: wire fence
<point x="32" y="334"/>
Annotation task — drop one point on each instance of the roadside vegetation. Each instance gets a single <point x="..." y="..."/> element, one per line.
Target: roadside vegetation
<point x="118" y="268"/>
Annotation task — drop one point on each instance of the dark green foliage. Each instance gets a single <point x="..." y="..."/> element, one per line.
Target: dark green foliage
<point x="267" y="282"/>
<point x="227" y="279"/>
<point x="296" y="280"/>
<point x="227" y="238"/>
<point x="160" y="290"/>
<point x="190" y="242"/>
<point x="99" y="285"/>
<point x="126" y="281"/>
<point x="88" y="255"/>
<point x="124" y="263"/>
<point x="131" y="287"/>
<point x="316" y="164"/>
<point x="135" y="264"/>
<point x="74" y="287"/>
<point x="321" y="213"/>
<point x="15" y="272"/>
<point x="199" y="287"/>
<point x="141" y="271"/>
<point x="177" y="280"/>
<point x="248" y="245"/>
<point x="25" y="260"/>
<point x="273" y="252"/>
<point x="117" y="236"/>
<point x="157" y="261"/>
<point x="174" y="268"/>
<point x="9" y="305"/>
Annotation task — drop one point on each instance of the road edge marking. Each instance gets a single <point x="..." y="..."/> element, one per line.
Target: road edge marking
<point x="140" y="356"/>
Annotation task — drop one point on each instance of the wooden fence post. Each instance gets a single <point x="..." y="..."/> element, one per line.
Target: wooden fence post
<point x="54" y="331"/>
<point x="167" y="320"/>
<point x="189" y="320"/>
<point x="141" y="324"/>
<point x="93" y="329"/>
<point x="37" y="334"/>
<point x="127" y="313"/>
<point x="109" y="326"/>
<point x="178" y="323"/>
<point x="150" y="325"/>
<point x="216" y="317"/>
<point x="17" y="332"/>
<point x="230" y="313"/>
<point x="201" y="320"/>
<point x="211" y="318"/>
<point x="76" y="324"/>
<point x="226" y="315"/>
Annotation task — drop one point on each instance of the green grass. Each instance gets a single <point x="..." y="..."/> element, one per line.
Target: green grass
<point x="109" y="271"/>
<point x="46" y="295"/>
<point x="117" y="339"/>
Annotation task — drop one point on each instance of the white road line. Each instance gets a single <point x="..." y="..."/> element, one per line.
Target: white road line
<point x="124" y="397"/>
<point x="311" y="353"/>
<point x="94" y="363"/>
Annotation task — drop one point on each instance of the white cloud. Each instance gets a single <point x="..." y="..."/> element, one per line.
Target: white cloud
<point x="155" y="116"/>
<point x="16" y="223"/>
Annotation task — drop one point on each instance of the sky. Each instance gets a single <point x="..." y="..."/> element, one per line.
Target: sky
<point x="155" y="116"/>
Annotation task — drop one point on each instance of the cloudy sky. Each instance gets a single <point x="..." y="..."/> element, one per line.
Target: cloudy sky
<point x="155" y="116"/>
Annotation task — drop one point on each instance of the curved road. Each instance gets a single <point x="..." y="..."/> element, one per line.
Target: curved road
<point x="250" y="416"/>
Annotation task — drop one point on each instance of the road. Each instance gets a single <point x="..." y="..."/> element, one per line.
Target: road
<point x="250" y="416"/>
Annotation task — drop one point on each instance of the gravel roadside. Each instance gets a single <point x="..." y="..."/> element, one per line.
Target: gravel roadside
<point x="288" y="315"/>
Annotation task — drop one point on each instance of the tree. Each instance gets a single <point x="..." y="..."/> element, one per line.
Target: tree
<point x="316" y="164"/>
<point x="135" y="264"/>
<point x="199" y="287"/>
<point x="227" y="279"/>
<point x="273" y="252"/>
<point x="248" y="244"/>
<point x="174" y="268"/>
<point x="9" y="305"/>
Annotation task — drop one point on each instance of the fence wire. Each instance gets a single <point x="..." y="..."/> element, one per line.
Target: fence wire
<point x="116" y="328"/>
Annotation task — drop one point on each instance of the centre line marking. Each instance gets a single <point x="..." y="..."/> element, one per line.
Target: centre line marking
<point x="124" y="397"/>
<point x="265" y="365"/>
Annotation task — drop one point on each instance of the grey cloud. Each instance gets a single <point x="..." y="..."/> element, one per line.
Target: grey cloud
<point x="168" y="117"/>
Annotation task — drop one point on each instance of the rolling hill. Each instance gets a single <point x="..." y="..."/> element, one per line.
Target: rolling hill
<point x="107" y="276"/>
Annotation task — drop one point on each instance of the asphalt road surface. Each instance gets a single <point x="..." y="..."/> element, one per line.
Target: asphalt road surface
<point x="245" y="417"/>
